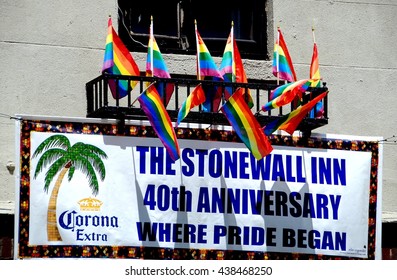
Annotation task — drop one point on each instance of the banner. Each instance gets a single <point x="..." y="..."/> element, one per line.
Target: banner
<point x="117" y="191"/>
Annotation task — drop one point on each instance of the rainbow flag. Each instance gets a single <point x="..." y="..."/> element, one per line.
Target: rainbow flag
<point x="290" y="122"/>
<point x="156" y="67"/>
<point x="232" y="69"/>
<point x="159" y="119"/>
<point x="246" y="126"/>
<point x="195" y="98"/>
<point x="118" y="61"/>
<point x="207" y="70"/>
<point x="286" y="94"/>
<point x="282" y="63"/>
<point x="205" y="63"/>
<point x="315" y="76"/>
<point x="314" y="68"/>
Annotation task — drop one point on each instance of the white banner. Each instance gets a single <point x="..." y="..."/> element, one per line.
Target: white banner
<point x="216" y="196"/>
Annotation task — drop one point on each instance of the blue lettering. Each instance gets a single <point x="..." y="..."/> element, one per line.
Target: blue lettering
<point x="215" y="163"/>
<point x="314" y="170"/>
<point x="245" y="202"/>
<point x="325" y="170"/>
<point x="202" y="233"/>
<point x="177" y="233"/>
<point x="299" y="168"/>
<point x="168" y="232"/>
<point x="340" y="241"/>
<point x="296" y="210"/>
<point x="256" y="199"/>
<point x="290" y="177"/>
<point x="281" y="204"/>
<point x="268" y="203"/>
<point x="259" y="169"/>
<point x="187" y="170"/>
<point x="157" y="160"/>
<point x="79" y="234"/>
<point x="219" y="231"/>
<point x="231" y="162"/>
<point x="203" y="200"/>
<point x="278" y="168"/>
<point x="340" y="172"/>
<point x="218" y="200"/>
<point x="169" y="165"/>
<point x="258" y="236"/>
<point x="163" y="197"/>
<point x="244" y="165"/>
<point x="69" y="222"/>
<point x="164" y="232"/>
<point x="146" y="231"/>
<point x="233" y="201"/>
<point x="335" y="201"/>
<point x="201" y="155"/>
<point x="308" y="206"/>
<point x="142" y="155"/>
<point x="322" y="203"/>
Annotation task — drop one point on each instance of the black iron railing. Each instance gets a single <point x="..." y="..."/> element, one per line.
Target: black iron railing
<point x="101" y="104"/>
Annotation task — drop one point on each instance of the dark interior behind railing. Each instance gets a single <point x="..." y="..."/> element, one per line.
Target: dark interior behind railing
<point x="101" y="104"/>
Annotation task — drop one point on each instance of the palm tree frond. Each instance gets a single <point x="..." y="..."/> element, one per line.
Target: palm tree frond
<point x="82" y="152"/>
<point x="48" y="157"/>
<point x="71" y="172"/>
<point x="84" y="157"/>
<point x="52" y="141"/>
<point x="52" y="171"/>
<point x="96" y="151"/>
<point x="96" y="162"/>
<point x="85" y="166"/>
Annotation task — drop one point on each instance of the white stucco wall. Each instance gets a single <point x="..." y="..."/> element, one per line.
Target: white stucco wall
<point x="50" y="49"/>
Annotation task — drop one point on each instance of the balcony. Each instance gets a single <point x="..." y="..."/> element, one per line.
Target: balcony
<point x="101" y="104"/>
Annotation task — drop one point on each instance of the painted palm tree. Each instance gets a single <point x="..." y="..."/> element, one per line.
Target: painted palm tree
<point x="63" y="158"/>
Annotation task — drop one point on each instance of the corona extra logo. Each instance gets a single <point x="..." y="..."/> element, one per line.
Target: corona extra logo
<point x="90" y="204"/>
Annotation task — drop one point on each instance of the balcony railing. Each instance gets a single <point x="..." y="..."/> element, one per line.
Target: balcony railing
<point x="101" y="104"/>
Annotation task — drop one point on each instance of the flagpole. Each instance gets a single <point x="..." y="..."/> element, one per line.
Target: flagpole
<point x="277" y="55"/>
<point x="198" y="52"/>
<point x="151" y="47"/>
<point x="132" y="104"/>
<point x="233" y="62"/>
<point x="314" y="38"/>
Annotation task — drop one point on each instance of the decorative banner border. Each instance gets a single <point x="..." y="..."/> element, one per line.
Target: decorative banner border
<point x="24" y="250"/>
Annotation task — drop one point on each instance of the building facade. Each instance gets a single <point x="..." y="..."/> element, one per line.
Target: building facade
<point x="51" y="50"/>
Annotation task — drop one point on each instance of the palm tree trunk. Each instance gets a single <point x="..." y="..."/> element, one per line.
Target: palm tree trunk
<point x="52" y="225"/>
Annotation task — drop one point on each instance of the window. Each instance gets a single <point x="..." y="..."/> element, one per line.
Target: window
<point x="173" y="25"/>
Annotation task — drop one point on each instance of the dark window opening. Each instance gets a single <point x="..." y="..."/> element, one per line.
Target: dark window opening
<point x="173" y="25"/>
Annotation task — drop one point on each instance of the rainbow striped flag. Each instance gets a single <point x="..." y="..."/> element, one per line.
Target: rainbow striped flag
<point x="286" y="93"/>
<point x="232" y="69"/>
<point x="118" y="61"/>
<point x="195" y="98"/>
<point x="315" y="76"/>
<point x="156" y="67"/>
<point x="159" y="119"/>
<point x="207" y="69"/>
<point x="282" y="63"/>
<point x="314" y="68"/>
<point x="205" y="63"/>
<point x="290" y="122"/>
<point x="246" y="126"/>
